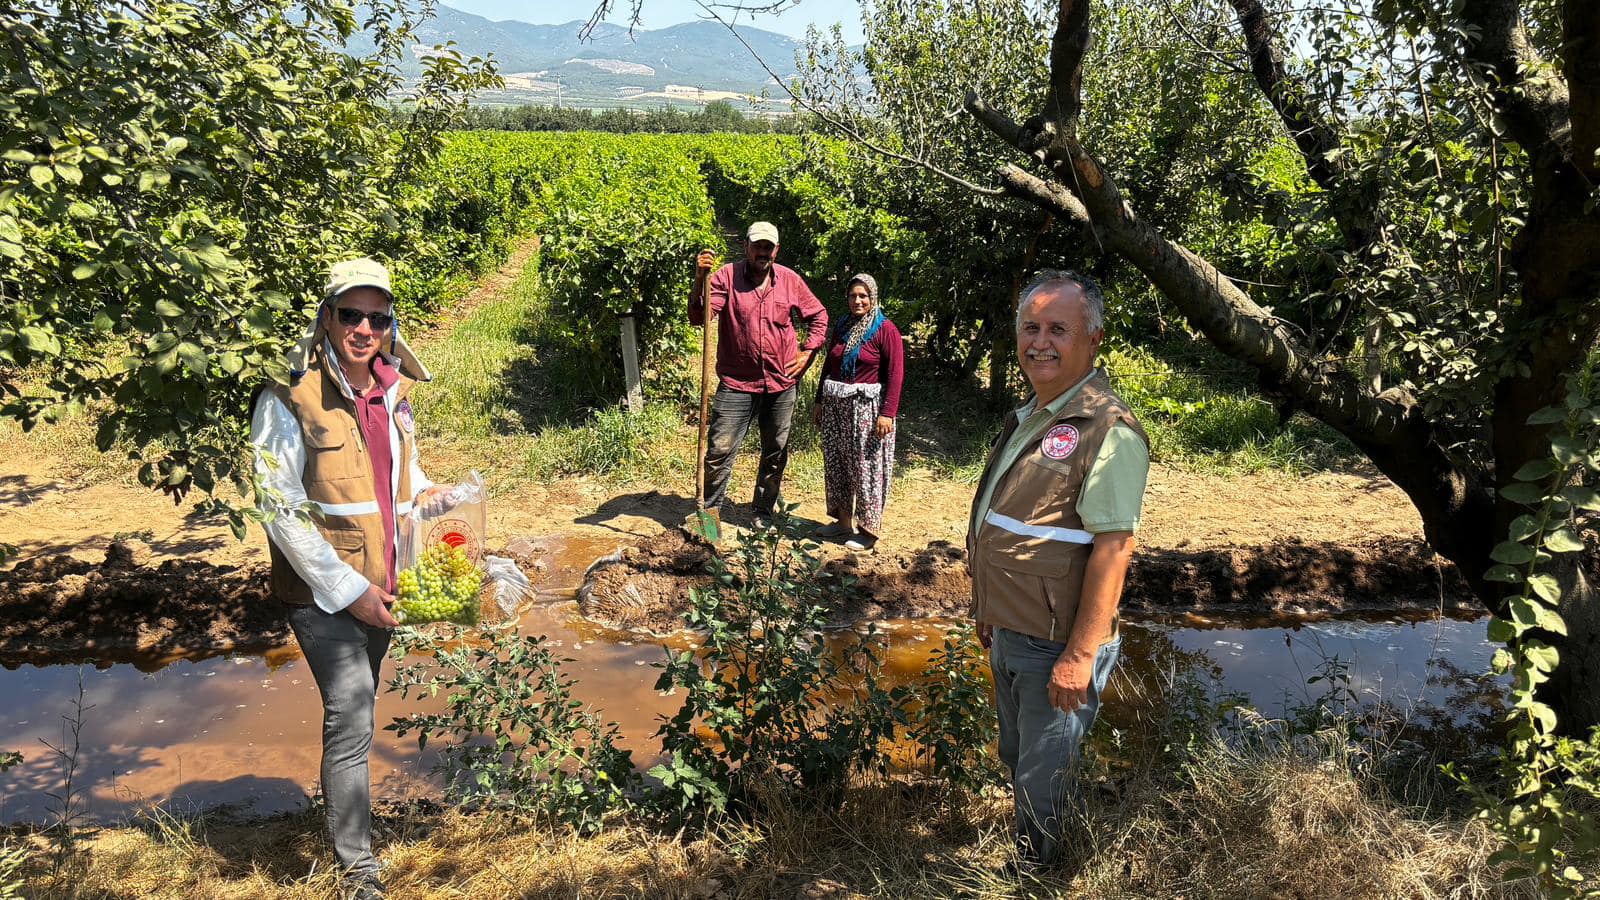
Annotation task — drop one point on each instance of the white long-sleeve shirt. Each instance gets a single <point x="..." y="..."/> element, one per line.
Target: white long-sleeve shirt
<point x="334" y="583"/>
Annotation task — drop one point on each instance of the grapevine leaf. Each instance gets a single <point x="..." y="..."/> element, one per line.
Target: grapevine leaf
<point x="1562" y="540"/>
<point x="1503" y="573"/>
<point x="1551" y="621"/>
<point x="1567" y="450"/>
<point x="1511" y="553"/>
<point x="1546" y="587"/>
<point x="1524" y="527"/>
<point x="1535" y="470"/>
<point x="1522" y="492"/>
<point x="1582" y="497"/>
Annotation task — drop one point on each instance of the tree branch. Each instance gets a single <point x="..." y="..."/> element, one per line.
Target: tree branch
<point x="1535" y="109"/>
<point x="840" y="126"/>
<point x="1064" y="99"/>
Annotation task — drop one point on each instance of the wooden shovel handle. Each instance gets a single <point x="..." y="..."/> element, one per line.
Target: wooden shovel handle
<point x="701" y="276"/>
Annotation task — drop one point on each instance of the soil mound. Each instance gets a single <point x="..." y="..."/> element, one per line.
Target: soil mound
<point x="60" y="609"/>
<point x="646" y="585"/>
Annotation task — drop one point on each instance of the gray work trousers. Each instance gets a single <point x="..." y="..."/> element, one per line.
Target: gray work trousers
<point x="345" y="656"/>
<point x="1039" y="743"/>
<point x="731" y="414"/>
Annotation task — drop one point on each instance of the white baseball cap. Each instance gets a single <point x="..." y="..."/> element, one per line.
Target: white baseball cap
<point x="762" y="231"/>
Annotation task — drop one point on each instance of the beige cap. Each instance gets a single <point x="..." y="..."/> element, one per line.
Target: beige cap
<point x="762" y="231"/>
<point x="354" y="273"/>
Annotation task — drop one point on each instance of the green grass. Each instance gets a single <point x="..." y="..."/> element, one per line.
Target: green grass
<point x="1199" y="415"/>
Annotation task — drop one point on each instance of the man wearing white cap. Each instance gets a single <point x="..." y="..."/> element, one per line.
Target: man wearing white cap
<point x="759" y="358"/>
<point x="337" y="442"/>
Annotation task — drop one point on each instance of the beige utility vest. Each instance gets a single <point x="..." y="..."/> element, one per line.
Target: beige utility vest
<point x="338" y="477"/>
<point x="1027" y="556"/>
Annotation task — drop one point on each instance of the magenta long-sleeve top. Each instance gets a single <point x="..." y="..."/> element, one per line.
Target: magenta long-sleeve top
<point x="882" y="360"/>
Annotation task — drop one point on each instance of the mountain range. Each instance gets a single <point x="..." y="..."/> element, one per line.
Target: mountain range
<point x="691" y="63"/>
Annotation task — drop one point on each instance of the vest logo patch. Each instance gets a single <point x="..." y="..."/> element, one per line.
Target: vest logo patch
<point x="1059" y="442"/>
<point x="403" y="413"/>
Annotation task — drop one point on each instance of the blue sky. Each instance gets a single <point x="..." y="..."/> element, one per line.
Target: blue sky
<point x="661" y="13"/>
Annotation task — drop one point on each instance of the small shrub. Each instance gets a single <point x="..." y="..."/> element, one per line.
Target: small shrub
<point x="784" y="712"/>
<point x="518" y="740"/>
<point x="953" y="722"/>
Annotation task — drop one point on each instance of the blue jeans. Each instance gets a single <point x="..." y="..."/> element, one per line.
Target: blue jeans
<point x="1038" y="742"/>
<point x="731" y="414"/>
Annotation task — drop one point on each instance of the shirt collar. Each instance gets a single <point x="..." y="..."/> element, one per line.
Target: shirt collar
<point x="1054" y="407"/>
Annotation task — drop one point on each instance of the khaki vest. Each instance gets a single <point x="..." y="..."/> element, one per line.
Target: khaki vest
<point x="1027" y="557"/>
<point x="338" y="477"/>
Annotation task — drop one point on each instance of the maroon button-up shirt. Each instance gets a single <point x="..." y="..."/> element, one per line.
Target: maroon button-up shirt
<point x="755" y="326"/>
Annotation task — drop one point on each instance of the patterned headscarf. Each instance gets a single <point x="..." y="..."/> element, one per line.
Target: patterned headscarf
<point x="859" y="329"/>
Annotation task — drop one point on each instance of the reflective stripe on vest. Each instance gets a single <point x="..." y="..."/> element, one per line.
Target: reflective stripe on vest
<point x="362" y="508"/>
<point x="1046" y="532"/>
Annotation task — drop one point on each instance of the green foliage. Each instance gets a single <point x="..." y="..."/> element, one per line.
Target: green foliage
<point x="613" y="444"/>
<point x="517" y="739"/>
<point x="622" y="231"/>
<point x="176" y="176"/>
<point x="781" y="708"/>
<point x="1202" y="419"/>
<point x="952" y="721"/>
<point x="1551" y="781"/>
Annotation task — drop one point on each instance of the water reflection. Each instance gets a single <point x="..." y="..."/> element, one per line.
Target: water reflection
<point x="244" y="732"/>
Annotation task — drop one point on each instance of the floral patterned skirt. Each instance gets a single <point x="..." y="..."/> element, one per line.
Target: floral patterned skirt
<point x="857" y="466"/>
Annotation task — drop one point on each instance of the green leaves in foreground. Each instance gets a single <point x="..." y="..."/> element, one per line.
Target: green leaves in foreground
<point x="176" y="177"/>
<point x="1550" y="781"/>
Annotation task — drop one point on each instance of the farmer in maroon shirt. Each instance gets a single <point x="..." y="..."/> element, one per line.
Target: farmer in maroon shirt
<point x="759" y="359"/>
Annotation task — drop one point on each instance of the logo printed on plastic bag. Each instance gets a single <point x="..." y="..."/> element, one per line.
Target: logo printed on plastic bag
<point x="456" y="533"/>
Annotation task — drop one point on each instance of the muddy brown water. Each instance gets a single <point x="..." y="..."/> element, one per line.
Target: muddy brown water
<point x="242" y="732"/>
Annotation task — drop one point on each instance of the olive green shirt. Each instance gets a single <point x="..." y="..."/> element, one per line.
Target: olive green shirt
<point x="1113" y="491"/>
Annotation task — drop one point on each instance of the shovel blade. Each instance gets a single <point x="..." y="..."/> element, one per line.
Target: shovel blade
<point x="706" y="524"/>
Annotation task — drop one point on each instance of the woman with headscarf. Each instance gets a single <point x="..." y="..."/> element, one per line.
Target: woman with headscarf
<point x="857" y="402"/>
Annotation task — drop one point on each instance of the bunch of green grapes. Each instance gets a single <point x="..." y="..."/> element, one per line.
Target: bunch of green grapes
<point x="442" y="587"/>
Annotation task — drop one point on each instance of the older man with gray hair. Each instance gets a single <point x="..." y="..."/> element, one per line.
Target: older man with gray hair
<point x="1048" y="546"/>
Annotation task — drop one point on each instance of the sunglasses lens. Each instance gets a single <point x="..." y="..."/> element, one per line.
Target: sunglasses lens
<point x="350" y="318"/>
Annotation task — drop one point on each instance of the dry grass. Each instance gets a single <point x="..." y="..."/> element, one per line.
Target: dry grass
<point x="1277" y="820"/>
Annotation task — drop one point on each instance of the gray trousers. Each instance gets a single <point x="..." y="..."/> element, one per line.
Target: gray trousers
<point x="1039" y="743"/>
<point x="731" y="414"/>
<point x="345" y="656"/>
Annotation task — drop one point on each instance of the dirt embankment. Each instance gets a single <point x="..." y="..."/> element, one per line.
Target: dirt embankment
<point x="646" y="585"/>
<point x="131" y="609"/>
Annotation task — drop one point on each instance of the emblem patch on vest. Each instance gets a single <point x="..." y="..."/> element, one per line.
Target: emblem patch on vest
<point x="403" y="413"/>
<point x="1059" y="442"/>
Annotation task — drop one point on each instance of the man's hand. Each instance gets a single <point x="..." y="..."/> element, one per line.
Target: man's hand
<point x="884" y="426"/>
<point x="985" y="635"/>
<point x="801" y="362"/>
<point x="430" y="503"/>
<point x="1069" y="680"/>
<point x="372" y="607"/>
<point x="704" y="263"/>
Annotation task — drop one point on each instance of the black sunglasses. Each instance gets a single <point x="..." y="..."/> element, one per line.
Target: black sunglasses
<point x="350" y="318"/>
